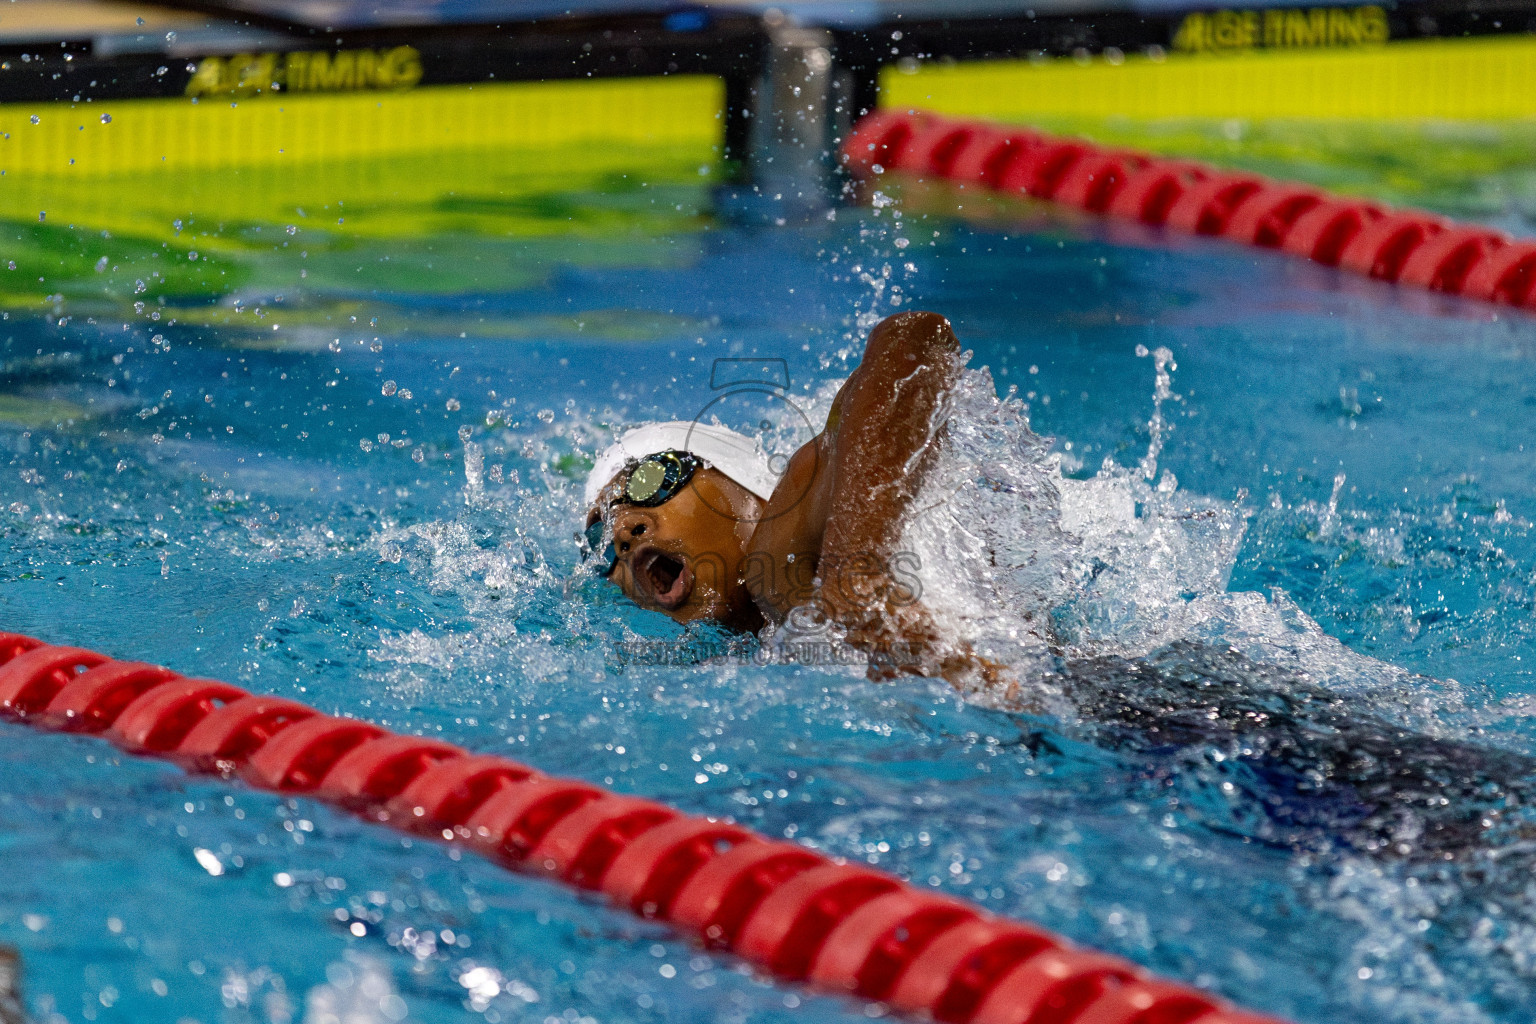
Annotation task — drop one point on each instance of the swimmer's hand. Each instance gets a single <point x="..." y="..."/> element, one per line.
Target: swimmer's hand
<point x="904" y="640"/>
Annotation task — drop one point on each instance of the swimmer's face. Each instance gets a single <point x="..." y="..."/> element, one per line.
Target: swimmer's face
<point x="684" y="557"/>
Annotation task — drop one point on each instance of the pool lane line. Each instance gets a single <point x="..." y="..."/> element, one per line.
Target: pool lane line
<point x="806" y="917"/>
<point x="1402" y="246"/>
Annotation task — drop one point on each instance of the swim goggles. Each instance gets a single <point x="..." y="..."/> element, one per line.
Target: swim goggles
<point x="652" y="481"/>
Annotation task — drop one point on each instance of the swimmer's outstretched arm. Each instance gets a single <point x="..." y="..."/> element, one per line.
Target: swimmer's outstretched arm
<point x="881" y="435"/>
<point x="844" y="494"/>
<point x="889" y="416"/>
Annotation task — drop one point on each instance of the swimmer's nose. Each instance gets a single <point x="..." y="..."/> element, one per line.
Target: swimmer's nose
<point x="626" y="535"/>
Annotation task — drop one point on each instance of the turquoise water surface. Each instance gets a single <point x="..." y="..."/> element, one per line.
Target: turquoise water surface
<point x="363" y="499"/>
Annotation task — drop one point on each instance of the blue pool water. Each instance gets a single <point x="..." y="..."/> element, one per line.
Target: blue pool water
<point x="225" y="501"/>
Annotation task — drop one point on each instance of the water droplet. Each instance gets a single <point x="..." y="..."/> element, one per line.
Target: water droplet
<point x="453" y="403"/>
<point x="209" y="860"/>
<point x="106" y="118"/>
<point x="389" y="388"/>
<point x="546" y="415"/>
<point x="36" y="119"/>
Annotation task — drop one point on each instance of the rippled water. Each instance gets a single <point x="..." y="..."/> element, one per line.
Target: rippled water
<point x="374" y="515"/>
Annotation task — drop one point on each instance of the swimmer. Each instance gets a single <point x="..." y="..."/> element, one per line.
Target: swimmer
<point x="688" y="520"/>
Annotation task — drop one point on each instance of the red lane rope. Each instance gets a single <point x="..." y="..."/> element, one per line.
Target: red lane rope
<point x="1408" y="247"/>
<point x="799" y="914"/>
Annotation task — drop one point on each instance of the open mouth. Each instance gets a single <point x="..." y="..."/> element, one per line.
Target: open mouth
<point x="666" y="577"/>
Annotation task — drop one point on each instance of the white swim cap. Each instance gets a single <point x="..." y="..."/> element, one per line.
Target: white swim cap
<point x="735" y="455"/>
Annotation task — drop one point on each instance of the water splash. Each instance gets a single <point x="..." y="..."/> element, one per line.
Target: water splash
<point x="1031" y="565"/>
<point x="1158" y="427"/>
<point x="474" y="469"/>
<point x="1330" y="520"/>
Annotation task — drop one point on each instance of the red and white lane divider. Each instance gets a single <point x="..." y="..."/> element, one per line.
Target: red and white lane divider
<point x="789" y="910"/>
<point x="1408" y="247"/>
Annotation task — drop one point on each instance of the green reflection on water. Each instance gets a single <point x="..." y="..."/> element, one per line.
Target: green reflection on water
<point x="196" y="246"/>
